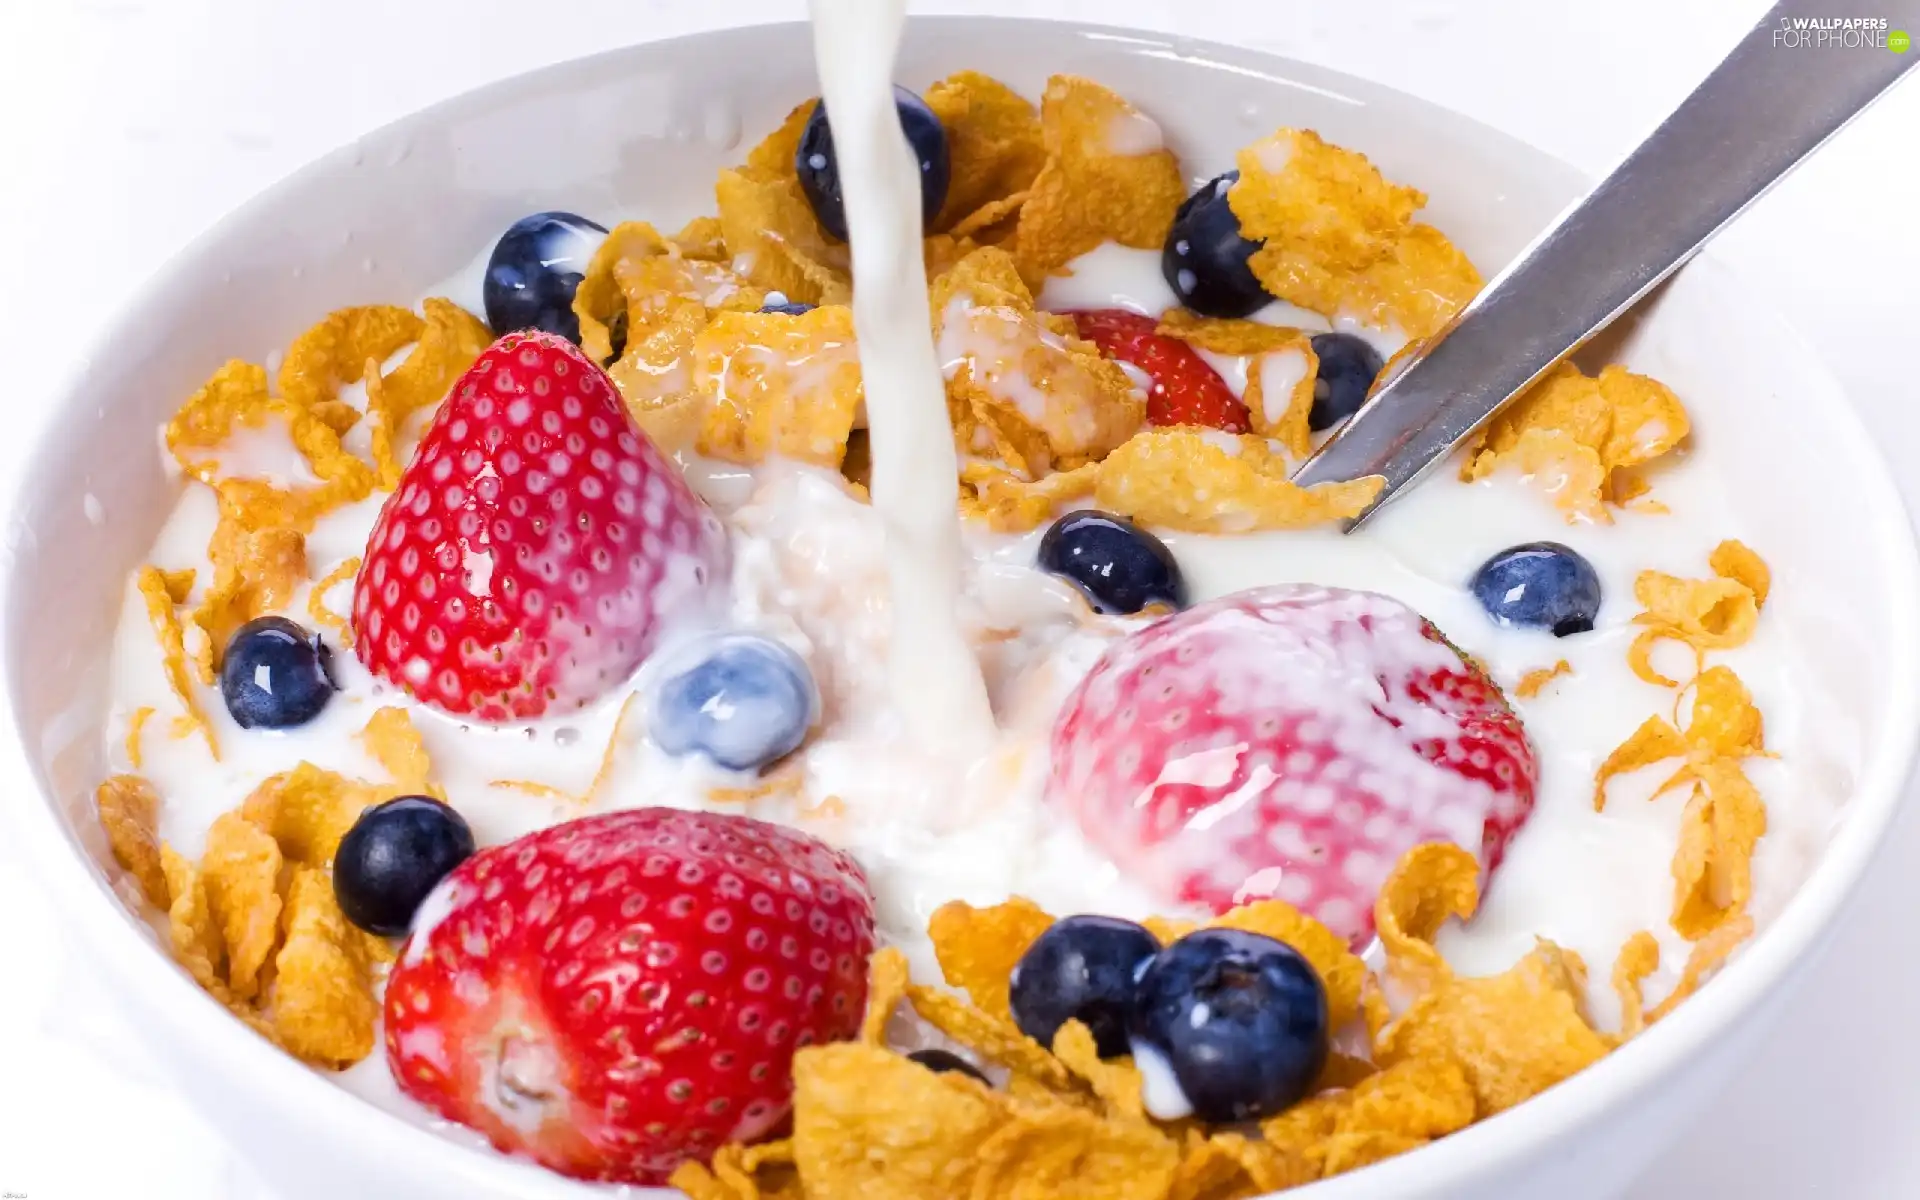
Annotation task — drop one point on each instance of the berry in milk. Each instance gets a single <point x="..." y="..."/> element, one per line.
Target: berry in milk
<point x="624" y="699"/>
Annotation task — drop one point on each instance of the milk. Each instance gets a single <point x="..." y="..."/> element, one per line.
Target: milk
<point x="936" y="680"/>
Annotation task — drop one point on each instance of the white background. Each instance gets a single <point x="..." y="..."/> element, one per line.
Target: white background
<point x="127" y="126"/>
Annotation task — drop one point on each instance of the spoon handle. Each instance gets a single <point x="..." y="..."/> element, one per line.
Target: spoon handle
<point x="1766" y="107"/>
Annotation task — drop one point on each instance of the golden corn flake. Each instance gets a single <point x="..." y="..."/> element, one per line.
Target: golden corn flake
<point x="324" y="1007"/>
<point x="1713" y="864"/>
<point x="193" y="933"/>
<point x="887" y="979"/>
<point x="394" y="742"/>
<point x="1107" y="178"/>
<point x="655" y="376"/>
<point x="997" y="1039"/>
<point x="1654" y="741"/>
<point x="991" y="222"/>
<point x="1115" y="1082"/>
<point x="1231" y="1166"/>
<point x="325" y="617"/>
<point x="777" y="243"/>
<point x="307" y="811"/>
<point x="1206" y="481"/>
<point x="1399" y="1109"/>
<point x="136" y="727"/>
<point x="254" y="572"/>
<point x="1006" y="503"/>
<point x="702" y="239"/>
<point x="1279" y="394"/>
<point x="1706" y="958"/>
<point x="1315" y="208"/>
<point x="336" y="351"/>
<point x="235" y="396"/>
<point x="1061" y="1151"/>
<point x="1417" y="288"/>
<point x="452" y="339"/>
<point x="986" y="428"/>
<point x="995" y="147"/>
<point x="778" y="385"/>
<point x="1535" y="681"/>
<point x="872" y="1124"/>
<point x="979" y="947"/>
<point x="598" y="301"/>
<point x="129" y="812"/>
<point x="1735" y="560"/>
<point x="1225" y="335"/>
<point x="1705" y="614"/>
<point x="1639" y="958"/>
<point x="762" y="1172"/>
<point x="1573" y="432"/>
<point x="1430" y="885"/>
<point x="241" y="870"/>
<point x="152" y="584"/>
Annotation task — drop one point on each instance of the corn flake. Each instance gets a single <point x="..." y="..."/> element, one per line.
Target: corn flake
<point x="1713" y="864"/>
<point x="193" y="932"/>
<point x="1115" y="1082"/>
<point x="129" y="811"/>
<point x="152" y="585"/>
<point x="1535" y="681"/>
<point x="1231" y="1166"/>
<point x="995" y="147"/>
<point x="887" y="979"/>
<point x="324" y="1007"/>
<point x="336" y="351"/>
<point x="1279" y="394"/>
<point x="979" y="947"/>
<point x="1399" y="1109"/>
<point x="1639" y="957"/>
<point x="996" y="1038"/>
<point x="1225" y="335"/>
<point x="777" y="243"/>
<point x="1205" y="481"/>
<point x="254" y="572"/>
<point x="1573" y="433"/>
<point x="1062" y="1151"/>
<point x="136" y="727"/>
<point x="1735" y="560"/>
<point x="391" y="737"/>
<point x="450" y="342"/>
<point x="1107" y="178"/>
<point x="325" y="617"/>
<point x="1315" y="207"/>
<point x="240" y="868"/>
<point x="703" y="239"/>
<point x="778" y="385"/>
<point x="307" y="810"/>
<point x="1008" y="504"/>
<point x="598" y="302"/>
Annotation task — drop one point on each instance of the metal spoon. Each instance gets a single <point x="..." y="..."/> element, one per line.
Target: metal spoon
<point x="1767" y="106"/>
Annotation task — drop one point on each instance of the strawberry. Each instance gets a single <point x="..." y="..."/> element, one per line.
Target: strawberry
<point x="1185" y="391"/>
<point x="621" y="993"/>
<point x="536" y="546"/>
<point x="1289" y="742"/>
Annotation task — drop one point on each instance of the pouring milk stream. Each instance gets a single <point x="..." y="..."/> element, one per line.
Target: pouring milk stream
<point x="935" y="678"/>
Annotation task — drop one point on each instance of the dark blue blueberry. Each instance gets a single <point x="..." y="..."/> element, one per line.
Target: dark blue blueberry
<point x="820" y="176"/>
<point x="535" y="268"/>
<point x="944" y="1060"/>
<point x="1240" y="1018"/>
<point x="1348" y="365"/>
<point x="1539" y="585"/>
<point x="1205" y="258"/>
<point x="393" y="856"/>
<point x="740" y="699"/>
<point x="275" y="674"/>
<point x="1121" y="567"/>
<point x="1081" y="969"/>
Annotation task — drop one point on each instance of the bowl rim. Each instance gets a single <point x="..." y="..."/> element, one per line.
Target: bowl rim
<point x="117" y="939"/>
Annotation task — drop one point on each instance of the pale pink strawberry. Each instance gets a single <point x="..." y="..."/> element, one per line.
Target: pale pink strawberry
<point x="1289" y="742"/>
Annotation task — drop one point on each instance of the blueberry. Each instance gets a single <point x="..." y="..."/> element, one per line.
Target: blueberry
<point x="1539" y="585"/>
<point x="534" y="270"/>
<point x="820" y="177"/>
<point x="1348" y="365"/>
<point x="1205" y="258"/>
<point x="393" y="856"/>
<point x="1121" y="567"/>
<point x="740" y="699"/>
<point x="1081" y="968"/>
<point x="942" y="1061"/>
<point x="1241" y="1019"/>
<point x="275" y="674"/>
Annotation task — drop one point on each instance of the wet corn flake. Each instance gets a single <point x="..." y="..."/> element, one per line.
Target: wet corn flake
<point x="598" y="302"/>
<point x="136" y="728"/>
<point x="307" y="811"/>
<point x="324" y="1008"/>
<point x="703" y="239"/>
<point x="1735" y="560"/>
<point x="193" y="933"/>
<point x="996" y="1038"/>
<point x="1225" y="335"/>
<point x="1232" y="1166"/>
<point x="762" y="1172"/>
<point x="1063" y="1151"/>
<point x="1713" y="863"/>
<point x="978" y="947"/>
<point x="1006" y="503"/>
<point x="995" y="146"/>
<point x="236" y="396"/>
<point x="887" y="980"/>
<point x="1535" y="681"/>
<point x="240" y="867"/>
<point x="448" y="345"/>
<point x="986" y="428"/>
<point x="335" y="351"/>
<point x="1115" y="1082"/>
<point x="1706" y="958"/>
<point x="872" y="1124"/>
<point x="129" y="811"/>
<point x="395" y="743"/>
<point x="254" y="572"/>
<point x="1206" y="481"/>
<point x="1573" y="433"/>
<point x="1416" y="289"/>
<point x="1279" y="395"/>
<point x="1430" y="885"/>
<point x="1401" y="1108"/>
<point x="324" y="616"/>
<point x="152" y="585"/>
<point x="778" y="385"/>
<point x="776" y="242"/>
<point x="1107" y="178"/>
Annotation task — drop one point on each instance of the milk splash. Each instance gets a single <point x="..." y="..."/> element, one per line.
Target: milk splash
<point x="935" y="678"/>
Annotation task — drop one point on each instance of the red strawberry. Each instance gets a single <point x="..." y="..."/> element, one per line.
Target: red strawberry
<point x="622" y="993"/>
<point x="1186" y="391"/>
<point x="536" y="545"/>
<point x="1289" y="742"/>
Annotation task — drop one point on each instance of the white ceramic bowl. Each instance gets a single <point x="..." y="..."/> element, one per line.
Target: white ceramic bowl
<point x="643" y="130"/>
